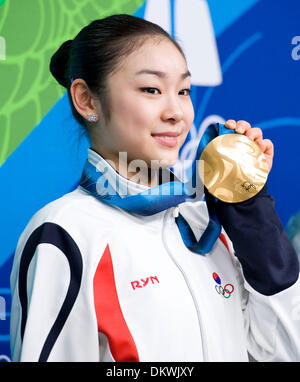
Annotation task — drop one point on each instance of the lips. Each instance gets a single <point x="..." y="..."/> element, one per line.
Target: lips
<point x="167" y="134"/>
<point x="167" y="138"/>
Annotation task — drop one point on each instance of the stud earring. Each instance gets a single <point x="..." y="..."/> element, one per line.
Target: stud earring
<point x="92" y="117"/>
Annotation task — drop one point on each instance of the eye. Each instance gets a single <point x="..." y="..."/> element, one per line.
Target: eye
<point x="188" y="92"/>
<point x="150" y="90"/>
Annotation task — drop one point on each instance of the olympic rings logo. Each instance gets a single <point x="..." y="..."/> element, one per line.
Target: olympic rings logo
<point x="225" y="291"/>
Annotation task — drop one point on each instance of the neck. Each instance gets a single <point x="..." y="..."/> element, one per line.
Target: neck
<point x="136" y="171"/>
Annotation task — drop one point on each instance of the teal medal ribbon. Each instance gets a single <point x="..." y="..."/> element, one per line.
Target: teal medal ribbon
<point x="163" y="196"/>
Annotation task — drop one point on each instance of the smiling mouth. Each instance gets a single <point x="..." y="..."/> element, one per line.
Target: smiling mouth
<point x="166" y="140"/>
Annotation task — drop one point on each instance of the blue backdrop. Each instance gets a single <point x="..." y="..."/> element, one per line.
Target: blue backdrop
<point x="256" y="77"/>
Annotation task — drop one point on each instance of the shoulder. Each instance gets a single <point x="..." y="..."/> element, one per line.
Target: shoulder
<point x="71" y="232"/>
<point x="76" y="215"/>
<point x="76" y="207"/>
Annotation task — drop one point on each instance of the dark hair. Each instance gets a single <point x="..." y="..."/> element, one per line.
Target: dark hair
<point x="97" y="50"/>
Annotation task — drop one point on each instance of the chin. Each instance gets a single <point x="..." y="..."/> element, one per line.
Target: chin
<point x="163" y="162"/>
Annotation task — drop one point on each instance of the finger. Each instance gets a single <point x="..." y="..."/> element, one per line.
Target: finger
<point x="254" y="133"/>
<point x="269" y="147"/>
<point x="266" y="146"/>
<point x="242" y="127"/>
<point x="230" y="124"/>
<point x="261" y="144"/>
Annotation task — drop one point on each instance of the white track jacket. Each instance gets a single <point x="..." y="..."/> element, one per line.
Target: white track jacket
<point x="92" y="282"/>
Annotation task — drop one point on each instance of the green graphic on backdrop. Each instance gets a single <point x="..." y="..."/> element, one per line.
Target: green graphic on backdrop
<point x="33" y="30"/>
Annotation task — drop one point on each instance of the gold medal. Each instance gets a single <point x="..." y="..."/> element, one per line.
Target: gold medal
<point x="235" y="168"/>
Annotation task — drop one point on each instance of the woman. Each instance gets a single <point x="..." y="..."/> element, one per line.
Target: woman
<point x="93" y="281"/>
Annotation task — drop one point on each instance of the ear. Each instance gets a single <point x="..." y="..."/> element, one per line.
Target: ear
<point x="83" y="100"/>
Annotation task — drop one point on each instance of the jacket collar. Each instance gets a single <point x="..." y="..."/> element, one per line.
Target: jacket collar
<point x="122" y="185"/>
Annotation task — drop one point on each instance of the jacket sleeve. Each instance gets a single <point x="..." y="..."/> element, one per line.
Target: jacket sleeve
<point x="51" y="319"/>
<point x="270" y="270"/>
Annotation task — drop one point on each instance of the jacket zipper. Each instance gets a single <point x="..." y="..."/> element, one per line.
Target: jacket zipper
<point x="201" y="326"/>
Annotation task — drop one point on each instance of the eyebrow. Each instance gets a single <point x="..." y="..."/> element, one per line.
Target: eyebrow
<point x="161" y="74"/>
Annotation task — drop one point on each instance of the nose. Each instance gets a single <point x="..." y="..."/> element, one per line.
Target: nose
<point x="172" y="113"/>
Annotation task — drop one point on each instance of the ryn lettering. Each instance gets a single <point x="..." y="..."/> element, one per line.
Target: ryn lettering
<point x="144" y="282"/>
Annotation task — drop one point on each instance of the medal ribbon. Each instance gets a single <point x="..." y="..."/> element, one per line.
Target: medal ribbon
<point x="163" y="196"/>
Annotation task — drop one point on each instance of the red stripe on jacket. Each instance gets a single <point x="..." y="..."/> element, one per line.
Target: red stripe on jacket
<point x="224" y="241"/>
<point x="110" y="318"/>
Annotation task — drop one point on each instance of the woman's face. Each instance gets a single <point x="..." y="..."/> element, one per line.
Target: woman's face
<point x="150" y="107"/>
